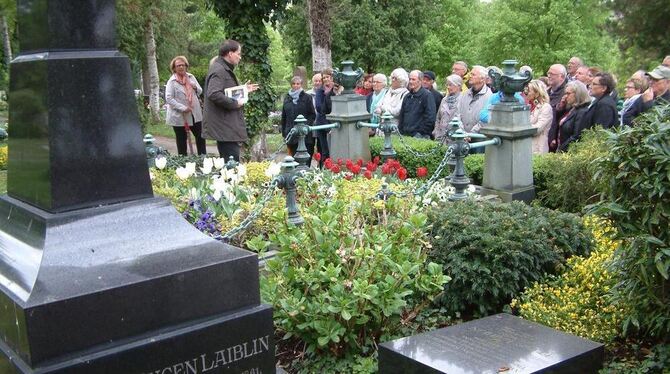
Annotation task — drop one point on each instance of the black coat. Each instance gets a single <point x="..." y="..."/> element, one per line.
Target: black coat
<point x="555" y="99"/>
<point x="569" y="131"/>
<point x="639" y="106"/>
<point x="417" y="114"/>
<point x="601" y="112"/>
<point x="438" y="98"/>
<point x="291" y="111"/>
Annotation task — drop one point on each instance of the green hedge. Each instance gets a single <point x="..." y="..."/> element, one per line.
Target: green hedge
<point x="563" y="181"/>
<point x="410" y="160"/>
<point x="492" y="251"/>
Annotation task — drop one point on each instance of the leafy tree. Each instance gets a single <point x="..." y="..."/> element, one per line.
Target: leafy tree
<point x="543" y="32"/>
<point x="377" y="35"/>
<point x="641" y="23"/>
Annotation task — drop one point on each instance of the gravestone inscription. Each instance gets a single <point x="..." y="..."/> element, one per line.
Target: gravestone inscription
<point x="497" y="344"/>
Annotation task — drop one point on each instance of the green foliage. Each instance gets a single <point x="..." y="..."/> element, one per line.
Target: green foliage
<point x="492" y="251"/>
<point x="646" y="361"/>
<point x="579" y="301"/>
<point x="433" y="150"/>
<point x="353" y="274"/>
<point x="566" y="179"/>
<point x="474" y="167"/>
<point x="636" y="176"/>
<point x="641" y="23"/>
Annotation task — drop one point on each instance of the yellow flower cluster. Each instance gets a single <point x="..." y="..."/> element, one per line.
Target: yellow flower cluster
<point x="256" y="173"/>
<point x="3" y="158"/>
<point x="578" y="301"/>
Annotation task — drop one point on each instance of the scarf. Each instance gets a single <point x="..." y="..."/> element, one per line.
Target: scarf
<point x="376" y="100"/>
<point x="185" y="81"/>
<point x="295" y="94"/>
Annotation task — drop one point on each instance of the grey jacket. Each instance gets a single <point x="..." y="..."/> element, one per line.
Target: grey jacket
<point x="175" y="97"/>
<point x="222" y="120"/>
<point x="469" y="107"/>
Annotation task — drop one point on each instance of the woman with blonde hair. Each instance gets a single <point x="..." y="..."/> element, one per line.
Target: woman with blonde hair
<point x="541" y="115"/>
<point x="184" y="113"/>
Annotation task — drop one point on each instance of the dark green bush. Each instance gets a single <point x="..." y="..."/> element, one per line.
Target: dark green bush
<point x="409" y="160"/>
<point x="474" y="167"/>
<point x="636" y="176"/>
<point x="492" y="251"/>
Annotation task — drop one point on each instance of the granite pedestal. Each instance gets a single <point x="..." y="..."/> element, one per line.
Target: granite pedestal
<point x="508" y="168"/>
<point x="348" y="141"/>
<point x="97" y="275"/>
<point x="497" y="344"/>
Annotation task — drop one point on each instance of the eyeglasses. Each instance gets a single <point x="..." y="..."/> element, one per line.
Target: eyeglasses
<point x="552" y="74"/>
<point x="597" y="84"/>
<point x="180" y="65"/>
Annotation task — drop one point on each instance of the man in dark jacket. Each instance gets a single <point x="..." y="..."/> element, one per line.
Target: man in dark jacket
<point x="603" y="110"/>
<point x="417" y="114"/>
<point x="428" y="82"/>
<point x="557" y="75"/>
<point x="297" y="102"/>
<point x="657" y="93"/>
<point x="323" y="106"/>
<point x="223" y="117"/>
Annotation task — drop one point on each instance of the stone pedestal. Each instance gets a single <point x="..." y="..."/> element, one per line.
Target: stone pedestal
<point x="508" y="169"/>
<point x="97" y="275"/>
<point x="349" y="142"/>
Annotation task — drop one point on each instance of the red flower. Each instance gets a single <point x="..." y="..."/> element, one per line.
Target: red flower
<point x="339" y="161"/>
<point x="317" y="156"/>
<point x="335" y="169"/>
<point x="421" y="172"/>
<point x="328" y="163"/>
<point x="386" y="169"/>
<point x="356" y="169"/>
<point x="371" y="166"/>
<point x="376" y="160"/>
<point x="359" y="162"/>
<point x="402" y="174"/>
<point x="368" y="174"/>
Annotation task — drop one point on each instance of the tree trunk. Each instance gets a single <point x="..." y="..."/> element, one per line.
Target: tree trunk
<point x="6" y="41"/>
<point x="319" y="30"/>
<point x="152" y="68"/>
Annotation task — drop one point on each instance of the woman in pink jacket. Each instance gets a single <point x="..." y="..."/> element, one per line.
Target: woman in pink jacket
<point x="541" y="115"/>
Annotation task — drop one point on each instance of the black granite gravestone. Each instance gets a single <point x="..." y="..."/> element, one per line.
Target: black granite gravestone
<point x="497" y="344"/>
<point x="97" y="275"/>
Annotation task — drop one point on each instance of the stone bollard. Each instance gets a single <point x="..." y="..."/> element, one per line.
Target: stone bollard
<point x="459" y="179"/>
<point x="301" y="154"/>
<point x="387" y="126"/>
<point x="286" y="181"/>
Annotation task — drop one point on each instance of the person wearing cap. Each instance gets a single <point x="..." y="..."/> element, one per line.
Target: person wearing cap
<point x="417" y="114"/>
<point x="666" y="61"/>
<point x="428" y="83"/>
<point x="448" y="106"/>
<point x="657" y="93"/>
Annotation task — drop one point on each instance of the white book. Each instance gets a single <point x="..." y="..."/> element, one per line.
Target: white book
<point x="239" y="93"/>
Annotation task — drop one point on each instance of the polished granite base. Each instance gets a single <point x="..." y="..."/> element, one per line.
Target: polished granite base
<point x="497" y="344"/>
<point x="96" y="277"/>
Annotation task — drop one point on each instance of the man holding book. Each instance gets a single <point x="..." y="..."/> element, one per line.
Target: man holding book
<point x="223" y="118"/>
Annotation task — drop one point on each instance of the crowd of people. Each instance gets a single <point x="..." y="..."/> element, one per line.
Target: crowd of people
<point x="562" y="104"/>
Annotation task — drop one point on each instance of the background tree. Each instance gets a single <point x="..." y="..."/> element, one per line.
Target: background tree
<point x="642" y="24"/>
<point x="320" y="33"/>
<point x="7" y="25"/>
<point x="245" y="22"/>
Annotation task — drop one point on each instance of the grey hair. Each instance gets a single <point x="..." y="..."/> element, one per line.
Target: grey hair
<point x="482" y="70"/>
<point x="561" y="69"/>
<point x="581" y="92"/>
<point x="382" y="78"/>
<point x="296" y="79"/>
<point x="455" y="80"/>
<point x="401" y="75"/>
<point x="462" y="63"/>
<point x="419" y="74"/>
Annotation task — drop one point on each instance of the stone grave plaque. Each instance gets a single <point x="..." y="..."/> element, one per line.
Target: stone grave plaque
<point x="497" y="344"/>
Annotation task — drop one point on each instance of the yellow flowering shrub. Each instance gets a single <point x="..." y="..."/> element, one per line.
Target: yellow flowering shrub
<point x="3" y="158"/>
<point x="256" y="173"/>
<point x="578" y="301"/>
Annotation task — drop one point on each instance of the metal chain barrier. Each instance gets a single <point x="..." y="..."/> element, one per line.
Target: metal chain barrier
<point x="258" y="208"/>
<point x="436" y="175"/>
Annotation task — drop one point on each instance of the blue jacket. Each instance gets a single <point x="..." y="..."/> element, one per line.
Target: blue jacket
<point x="485" y="114"/>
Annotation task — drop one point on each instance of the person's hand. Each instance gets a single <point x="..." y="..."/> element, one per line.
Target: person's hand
<point x="648" y="95"/>
<point x="240" y="103"/>
<point x="187" y="110"/>
<point x="251" y="87"/>
<point x="553" y="143"/>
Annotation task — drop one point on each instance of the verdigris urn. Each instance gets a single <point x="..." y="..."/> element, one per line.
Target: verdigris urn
<point x="348" y="77"/>
<point x="509" y="82"/>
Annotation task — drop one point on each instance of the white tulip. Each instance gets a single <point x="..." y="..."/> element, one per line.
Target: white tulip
<point x="273" y="170"/>
<point x="161" y="163"/>
<point x="219" y="162"/>
<point x="206" y="169"/>
<point x="183" y="173"/>
<point x="208" y="163"/>
<point x="190" y="166"/>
